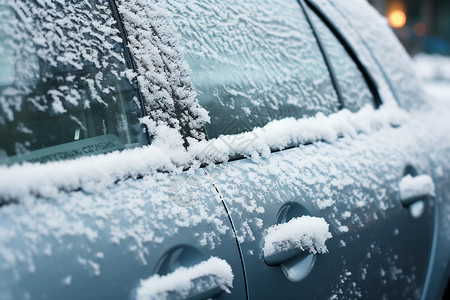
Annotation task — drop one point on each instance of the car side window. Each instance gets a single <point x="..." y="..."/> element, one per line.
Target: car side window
<point x="352" y="84"/>
<point x="252" y="62"/>
<point x="63" y="89"/>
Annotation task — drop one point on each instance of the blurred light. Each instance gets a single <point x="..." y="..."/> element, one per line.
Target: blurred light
<point x="397" y="18"/>
<point x="420" y="29"/>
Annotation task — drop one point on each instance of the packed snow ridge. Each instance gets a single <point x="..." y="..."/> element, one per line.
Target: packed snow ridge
<point x="280" y="134"/>
<point x="167" y="153"/>
<point x="305" y="233"/>
<point x="185" y="282"/>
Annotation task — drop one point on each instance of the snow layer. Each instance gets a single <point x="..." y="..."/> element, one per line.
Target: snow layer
<point x="185" y="282"/>
<point x="162" y="71"/>
<point x="287" y="132"/>
<point x="432" y="67"/>
<point x="385" y="58"/>
<point x="72" y="47"/>
<point x="307" y="233"/>
<point x="167" y="152"/>
<point x="252" y="61"/>
<point x="415" y="187"/>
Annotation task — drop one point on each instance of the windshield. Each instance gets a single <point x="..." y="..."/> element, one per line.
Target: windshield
<point x="63" y="89"/>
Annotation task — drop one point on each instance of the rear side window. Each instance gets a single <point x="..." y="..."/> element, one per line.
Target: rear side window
<point x="252" y="62"/>
<point x="352" y="85"/>
<point x="63" y="92"/>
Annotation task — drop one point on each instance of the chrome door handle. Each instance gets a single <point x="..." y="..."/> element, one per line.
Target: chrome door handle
<point x="413" y="189"/>
<point x="205" y="280"/>
<point x="298" y="236"/>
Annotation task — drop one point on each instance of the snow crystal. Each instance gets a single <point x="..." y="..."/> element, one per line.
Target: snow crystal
<point x="306" y="233"/>
<point x="184" y="282"/>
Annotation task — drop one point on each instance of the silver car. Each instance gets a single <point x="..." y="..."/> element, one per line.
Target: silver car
<point x="196" y="149"/>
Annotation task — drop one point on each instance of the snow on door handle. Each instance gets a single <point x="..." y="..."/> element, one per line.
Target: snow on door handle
<point x="288" y="240"/>
<point x="413" y="189"/>
<point x="205" y="280"/>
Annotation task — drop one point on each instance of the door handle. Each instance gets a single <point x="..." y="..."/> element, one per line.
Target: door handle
<point x="299" y="236"/>
<point x="413" y="189"/>
<point x="205" y="280"/>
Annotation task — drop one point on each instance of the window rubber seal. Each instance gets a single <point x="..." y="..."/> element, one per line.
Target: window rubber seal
<point x="325" y="56"/>
<point x="129" y="61"/>
<point x="372" y="85"/>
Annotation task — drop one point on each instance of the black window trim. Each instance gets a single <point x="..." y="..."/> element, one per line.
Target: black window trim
<point x="129" y="62"/>
<point x="372" y="85"/>
<point x="325" y="56"/>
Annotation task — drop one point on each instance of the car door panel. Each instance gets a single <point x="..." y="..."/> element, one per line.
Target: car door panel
<point x="101" y="245"/>
<point x="378" y="250"/>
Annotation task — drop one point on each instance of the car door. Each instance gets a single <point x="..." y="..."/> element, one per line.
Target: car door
<point x="109" y="226"/>
<point x="433" y="137"/>
<point x="351" y="169"/>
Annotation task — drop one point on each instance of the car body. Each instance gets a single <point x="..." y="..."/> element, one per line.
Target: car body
<point x="315" y="114"/>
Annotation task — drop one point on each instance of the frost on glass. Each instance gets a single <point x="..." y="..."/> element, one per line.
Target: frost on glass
<point x="161" y="70"/>
<point x="252" y="62"/>
<point x="63" y="91"/>
<point x="354" y="89"/>
<point x="386" y="50"/>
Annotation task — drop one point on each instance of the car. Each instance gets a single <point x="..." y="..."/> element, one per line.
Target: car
<point x="195" y="149"/>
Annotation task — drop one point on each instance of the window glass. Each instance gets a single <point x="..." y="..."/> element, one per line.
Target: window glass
<point x="62" y="89"/>
<point x="353" y="86"/>
<point x="252" y="62"/>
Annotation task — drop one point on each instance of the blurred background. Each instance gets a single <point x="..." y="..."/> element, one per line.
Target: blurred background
<point x="423" y="26"/>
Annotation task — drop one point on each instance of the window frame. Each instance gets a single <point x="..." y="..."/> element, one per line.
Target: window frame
<point x="371" y="84"/>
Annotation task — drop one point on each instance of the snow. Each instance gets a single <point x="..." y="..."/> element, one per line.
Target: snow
<point x="167" y="153"/>
<point x="161" y="70"/>
<point x="416" y="187"/>
<point x="66" y="280"/>
<point x="250" y="56"/>
<point x="434" y="70"/>
<point x="385" y="57"/>
<point x="131" y="219"/>
<point x="283" y="133"/>
<point x="141" y="215"/>
<point x="185" y="282"/>
<point x="68" y="37"/>
<point x="306" y="233"/>
<point x="432" y="67"/>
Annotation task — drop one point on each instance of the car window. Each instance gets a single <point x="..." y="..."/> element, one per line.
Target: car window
<point x="353" y="87"/>
<point x="63" y="92"/>
<point x="252" y="62"/>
